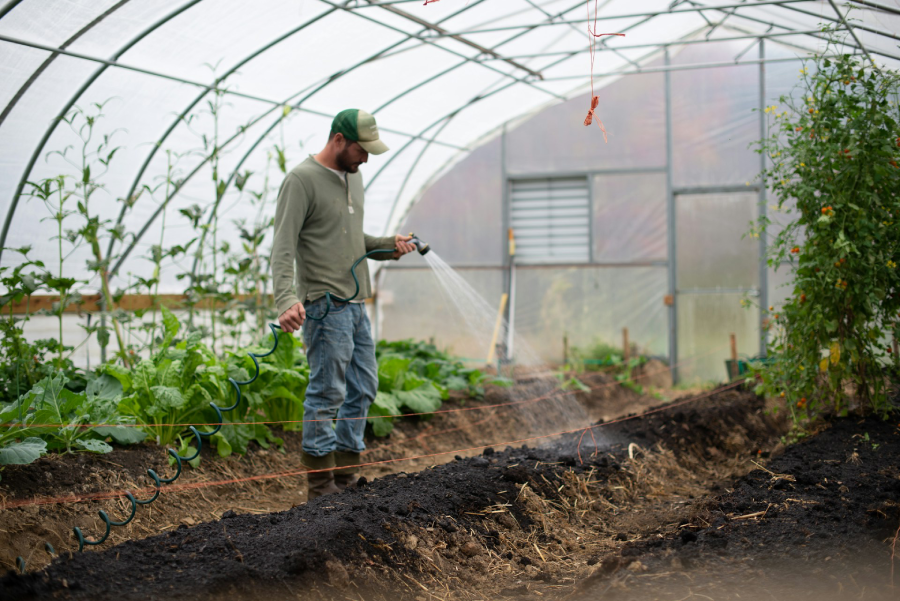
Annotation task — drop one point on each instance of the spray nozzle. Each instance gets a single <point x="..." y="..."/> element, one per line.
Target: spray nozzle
<point x="422" y="247"/>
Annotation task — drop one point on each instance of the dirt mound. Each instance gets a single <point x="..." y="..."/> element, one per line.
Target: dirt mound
<point x="821" y="521"/>
<point x="506" y="523"/>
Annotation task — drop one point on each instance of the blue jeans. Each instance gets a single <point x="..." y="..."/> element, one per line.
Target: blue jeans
<point x="343" y="377"/>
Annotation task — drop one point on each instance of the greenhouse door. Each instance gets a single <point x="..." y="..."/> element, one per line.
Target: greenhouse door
<point x="717" y="266"/>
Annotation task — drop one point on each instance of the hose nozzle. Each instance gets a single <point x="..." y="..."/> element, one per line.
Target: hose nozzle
<point x="422" y="247"/>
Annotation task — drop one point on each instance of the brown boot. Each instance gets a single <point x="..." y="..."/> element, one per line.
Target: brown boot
<point x="319" y="483"/>
<point x="345" y="476"/>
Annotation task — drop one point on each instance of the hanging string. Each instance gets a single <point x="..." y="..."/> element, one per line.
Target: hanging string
<point x="592" y="33"/>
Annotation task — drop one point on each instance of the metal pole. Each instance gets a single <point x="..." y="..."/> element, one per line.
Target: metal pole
<point x="763" y="247"/>
<point x="853" y="33"/>
<point x="670" y="224"/>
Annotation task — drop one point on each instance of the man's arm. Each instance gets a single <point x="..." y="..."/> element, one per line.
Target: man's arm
<point x="399" y="244"/>
<point x="290" y="213"/>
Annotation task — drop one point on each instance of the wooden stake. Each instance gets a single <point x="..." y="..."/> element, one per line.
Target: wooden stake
<point x="492" y="349"/>
<point x="626" y="350"/>
<point x="566" y="348"/>
<point x="734" y="357"/>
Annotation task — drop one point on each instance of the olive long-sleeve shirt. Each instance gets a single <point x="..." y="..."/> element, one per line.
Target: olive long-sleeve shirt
<point x="319" y="227"/>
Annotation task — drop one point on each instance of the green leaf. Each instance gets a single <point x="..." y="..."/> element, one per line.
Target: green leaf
<point x="22" y="453"/>
<point x="385" y="404"/>
<point x="171" y="326"/>
<point x="121" y="434"/>
<point x="119" y="373"/>
<point x="94" y="446"/>
<point x="167" y="398"/>
<point x="389" y="369"/>
<point x="144" y="376"/>
<point x="424" y="399"/>
<point x="106" y="387"/>
<point x="456" y="383"/>
<point x="502" y="382"/>
<point x="283" y="356"/>
<point x="223" y="447"/>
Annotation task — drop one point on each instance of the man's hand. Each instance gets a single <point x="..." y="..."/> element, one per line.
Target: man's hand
<point x="291" y="320"/>
<point x="402" y="245"/>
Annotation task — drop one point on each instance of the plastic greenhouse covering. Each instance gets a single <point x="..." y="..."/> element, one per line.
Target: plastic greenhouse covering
<point x="472" y="96"/>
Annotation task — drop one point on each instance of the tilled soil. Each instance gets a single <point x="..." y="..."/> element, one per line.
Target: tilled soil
<point x="518" y="523"/>
<point x="415" y="444"/>
<point x="819" y="522"/>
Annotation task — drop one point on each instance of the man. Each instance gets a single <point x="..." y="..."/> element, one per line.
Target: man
<point x="319" y="225"/>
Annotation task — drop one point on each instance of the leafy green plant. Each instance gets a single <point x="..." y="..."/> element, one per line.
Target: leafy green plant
<point x="278" y="392"/>
<point x="72" y="416"/>
<point x="174" y="386"/>
<point x="834" y="169"/>
<point x="416" y="377"/>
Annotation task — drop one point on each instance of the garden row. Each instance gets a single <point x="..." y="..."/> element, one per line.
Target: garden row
<point x="159" y="397"/>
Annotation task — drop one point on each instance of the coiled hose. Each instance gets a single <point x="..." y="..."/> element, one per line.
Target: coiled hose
<point x="157" y="480"/>
<point x="331" y="297"/>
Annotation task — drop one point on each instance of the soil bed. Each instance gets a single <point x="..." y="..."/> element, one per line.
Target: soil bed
<point x="517" y="523"/>
<point x="467" y="423"/>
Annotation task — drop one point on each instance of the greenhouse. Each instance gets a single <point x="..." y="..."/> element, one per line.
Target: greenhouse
<point x="680" y="211"/>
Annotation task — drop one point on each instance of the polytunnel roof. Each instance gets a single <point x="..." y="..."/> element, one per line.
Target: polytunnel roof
<point x="440" y="77"/>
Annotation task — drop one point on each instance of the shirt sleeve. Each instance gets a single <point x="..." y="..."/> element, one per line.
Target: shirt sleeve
<point x="376" y="243"/>
<point x="290" y="214"/>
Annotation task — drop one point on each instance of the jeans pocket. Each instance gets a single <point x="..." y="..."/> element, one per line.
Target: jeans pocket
<point x="319" y="309"/>
<point x="315" y="309"/>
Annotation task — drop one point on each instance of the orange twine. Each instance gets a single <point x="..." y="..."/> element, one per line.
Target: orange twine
<point x="594" y="99"/>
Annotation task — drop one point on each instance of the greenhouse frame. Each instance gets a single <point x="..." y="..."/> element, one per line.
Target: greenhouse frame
<point x="482" y="104"/>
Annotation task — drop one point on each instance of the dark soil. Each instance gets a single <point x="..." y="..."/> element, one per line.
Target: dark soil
<point x="503" y="524"/>
<point x="819" y="522"/>
<point x="696" y="499"/>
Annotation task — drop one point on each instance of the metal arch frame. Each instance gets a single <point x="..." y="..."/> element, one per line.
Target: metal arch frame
<point x="81" y="90"/>
<point x="454" y="113"/>
<point x="887" y="9"/>
<point x="234" y="172"/>
<point x="865" y="28"/>
<point x="168" y="77"/>
<point x="652" y="14"/>
<point x="8" y="7"/>
<point x="683" y="42"/>
<point x="852" y="31"/>
<point x="344" y="72"/>
<point x="49" y="60"/>
<point x="155" y="147"/>
<point x="814" y="35"/>
<point x="409" y="37"/>
<point x="784" y="4"/>
<point x="430" y="79"/>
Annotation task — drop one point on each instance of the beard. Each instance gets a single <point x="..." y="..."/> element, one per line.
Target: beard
<point x="345" y="163"/>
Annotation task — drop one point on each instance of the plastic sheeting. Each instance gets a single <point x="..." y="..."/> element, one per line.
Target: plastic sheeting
<point x="412" y="305"/>
<point x="705" y="322"/>
<point x="630" y="218"/>
<point x="714" y="250"/>
<point x="590" y="305"/>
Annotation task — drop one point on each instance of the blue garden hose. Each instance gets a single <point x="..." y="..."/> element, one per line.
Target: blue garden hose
<point x="422" y="247"/>
<point x="331" y="297"/>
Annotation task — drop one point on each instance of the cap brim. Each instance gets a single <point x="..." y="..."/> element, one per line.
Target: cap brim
<point x="374" y="146"/>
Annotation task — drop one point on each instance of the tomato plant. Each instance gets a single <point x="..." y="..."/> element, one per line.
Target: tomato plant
<point x="833" y="156"/>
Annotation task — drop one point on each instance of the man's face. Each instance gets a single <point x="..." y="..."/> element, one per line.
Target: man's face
<point x="351" y="157"/>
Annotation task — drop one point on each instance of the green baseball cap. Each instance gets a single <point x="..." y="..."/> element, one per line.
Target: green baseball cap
<point x="359" y="126"/>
